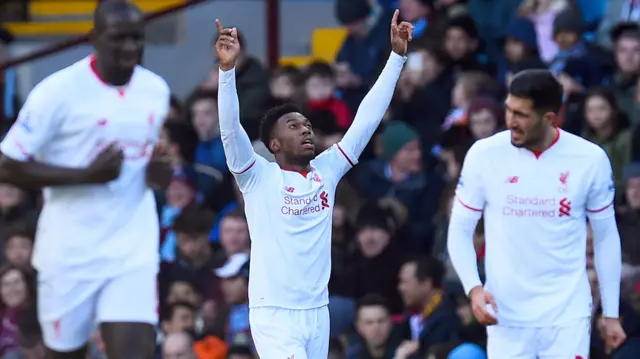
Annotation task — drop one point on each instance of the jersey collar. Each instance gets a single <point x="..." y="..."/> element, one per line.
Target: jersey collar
<point x="555" y="140"/>
<point x="94" y="69"/>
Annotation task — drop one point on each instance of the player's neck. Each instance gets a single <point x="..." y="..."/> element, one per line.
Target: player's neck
<point x="293" y="166"/>
<point x="112" y="76"/>
<point x="549" y="138"/>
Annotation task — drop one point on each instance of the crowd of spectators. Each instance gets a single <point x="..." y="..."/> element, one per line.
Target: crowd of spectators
<point x="393" y="292"/>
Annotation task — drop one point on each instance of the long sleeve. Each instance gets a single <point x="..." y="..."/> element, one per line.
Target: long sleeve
<point x="372" y="108"/>
<point x="608" y="263"/>
<point x="241" y="159"/>
<point x="462" y="252"/>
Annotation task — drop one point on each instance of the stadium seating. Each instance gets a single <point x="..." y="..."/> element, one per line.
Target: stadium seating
<point x="325" y="44"/>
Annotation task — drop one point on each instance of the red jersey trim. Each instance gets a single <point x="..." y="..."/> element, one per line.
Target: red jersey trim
<point x="246" y="169"/>
<point x="94" y="69"/>
<point x="303" y="173"/>
<point x="345" y="155"/>
<point x="555" y="140"/>
<point x="467" y="206"/>
<point x="601" y="209"/>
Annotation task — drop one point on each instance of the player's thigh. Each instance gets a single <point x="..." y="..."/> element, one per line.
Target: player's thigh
<point x="511" y="343"/>
<point x="127" y="313"/>
<point x="318" y="347"/>
<point x="66" y="309"/>
<point x="567" y="341"/>
<point x="129" y="298"/>
<point x="277" y="333"/>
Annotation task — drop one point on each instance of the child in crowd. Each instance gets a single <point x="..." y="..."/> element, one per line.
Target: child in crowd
<point x="320" y="89"/>
<point x="467" y="87"/>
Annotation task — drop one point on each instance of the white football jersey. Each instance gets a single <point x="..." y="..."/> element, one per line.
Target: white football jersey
<point x="91" y="231"/>
<point x="535" y="207"/>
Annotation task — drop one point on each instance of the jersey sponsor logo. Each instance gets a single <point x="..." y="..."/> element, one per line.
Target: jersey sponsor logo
<point x="289" y="189"/>
<point x="316" y="178"/>
<point x="133" y="150"/>
<point x="517" y="206"/>
<point x="293" y="206"/>
<point x="101" y="122"/>
<point x="565" y="208"/>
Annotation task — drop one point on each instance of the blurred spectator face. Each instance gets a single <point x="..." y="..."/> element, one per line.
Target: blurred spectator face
<point x="409" y="158"/>
<point x="10" y="196"/>
<point x="412" y="290"/>
<point x="627" y="53"/>
<point x="482" y="124"/>
<point x="183" y="292"/>
<point x="339" y="216"/>
<point x="598" y="113"/>
<point x="318" y="88"/>
<point x="183" y="320"/>
<point x="204" y="113"/>
<point x="357" y="28"/>
<point x="372" y="241"/>
<point x="179" y="194"/>
<point x="412" y="10"/>
<point x="13" y="289"/>
<point x="514" y="50"/>
<point x="566" y="39"/>
<point x="633" y="193"/>
<point x="457" y="43"/>
<point x="177" y="346"/>
<point x="282" y="87"/>
<point x="234" y="290"/>
<point x="193" y="247"/>
<point x="374" y="325"/>
<point x="18" y="251"/>
<point x="234" y="235"/>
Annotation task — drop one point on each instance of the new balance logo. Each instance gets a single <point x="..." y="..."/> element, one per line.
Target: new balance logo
<point x="101" y="122"/>
<point x="289" y="189"/>
<point x="512" y="179"/>
<point x="565" y="208"/>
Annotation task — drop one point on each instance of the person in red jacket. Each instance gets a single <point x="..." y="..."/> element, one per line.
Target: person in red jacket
<point x="320" y="90"/>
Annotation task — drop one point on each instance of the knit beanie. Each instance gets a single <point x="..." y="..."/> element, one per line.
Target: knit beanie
<point x="395" y="136"/>
<point x="568" y="21"/>
<point x="349" y="11"/>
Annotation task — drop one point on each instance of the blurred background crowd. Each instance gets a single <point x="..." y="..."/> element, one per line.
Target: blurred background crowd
<point x="393" y="292"/>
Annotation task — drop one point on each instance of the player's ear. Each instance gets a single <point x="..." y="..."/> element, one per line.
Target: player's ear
<point x="274" y="145"/>
<point x="549" y="117"/>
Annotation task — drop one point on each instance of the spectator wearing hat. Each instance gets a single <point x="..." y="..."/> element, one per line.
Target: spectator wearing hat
<point x="234" y="283"/>
<point x="374" y="268"/>
<point x="363" y="50"/>
<point x="626" y="49"/>
<point x="400" y="174"/>
<point x="519" y="43"/>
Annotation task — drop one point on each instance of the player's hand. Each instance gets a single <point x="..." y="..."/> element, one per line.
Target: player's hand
<point x="227" y="46"/>
<point x="613" y="334"/>
<point x="406" y="349"/>
<point x="159" y="169"/>
<point x="479" y="300"/>
<point x="106" y="166"/>
<point x="401" y="34"/>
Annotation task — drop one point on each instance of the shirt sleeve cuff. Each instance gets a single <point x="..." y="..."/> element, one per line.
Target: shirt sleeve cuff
<point x="226" y="76"/>
<point x="398" y="59"/>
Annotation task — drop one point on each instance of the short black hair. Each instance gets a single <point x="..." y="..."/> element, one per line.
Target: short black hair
<point x="170" y="310"/>
<point x="109" y="7"/>
<point x="22" y="228"/>
<point x="239" y="350"/>
<point x="269" y="119"/>
<point x="194" y="221"/>
<point x="539" y="86"/>
<point x="372" y="300"/>
<point x="320" y="69"/>
<point x="429" y="268"/>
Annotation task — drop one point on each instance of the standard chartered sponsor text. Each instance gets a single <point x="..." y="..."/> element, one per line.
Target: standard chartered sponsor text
<point x="518" y="206"/>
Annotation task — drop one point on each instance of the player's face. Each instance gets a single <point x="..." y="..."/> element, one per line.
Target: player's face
<point x="120" y="43"/>
<point x="294" y="136"/>
<point x="526" y="125"/>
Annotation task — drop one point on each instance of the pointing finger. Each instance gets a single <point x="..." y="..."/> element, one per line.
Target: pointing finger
<point x="394" y="21"/>
<point x="234" y="33"/>
<point x="219" y="26"/>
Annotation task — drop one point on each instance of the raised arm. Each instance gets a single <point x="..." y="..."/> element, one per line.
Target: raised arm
<point x="375" y="104"/>
<point x="238" y="150"/>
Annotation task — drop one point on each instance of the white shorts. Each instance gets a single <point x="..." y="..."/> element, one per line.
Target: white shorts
<point x="569" y="341"/>
<point x="290" y="333"/>
<point x="69" y="309"/>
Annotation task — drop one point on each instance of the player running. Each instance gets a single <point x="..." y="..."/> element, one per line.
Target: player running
<point x="536" y="186"/>
<point x="86" y="135"/>
<point x="289" y="203"/>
